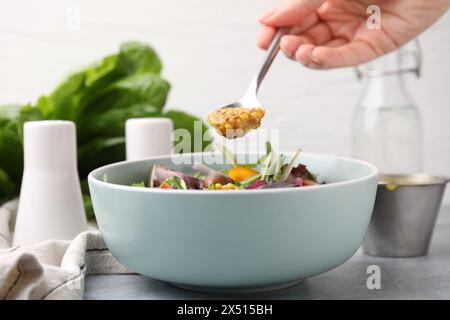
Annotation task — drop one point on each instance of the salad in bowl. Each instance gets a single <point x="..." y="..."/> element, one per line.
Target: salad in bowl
<point x="270" y="171"/>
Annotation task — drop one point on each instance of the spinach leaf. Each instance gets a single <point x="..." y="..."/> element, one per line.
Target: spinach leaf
<point x="135" y="57"/>
<point x="112" y="122"/>
<point x="135" y="89"/>
<point x="7" y="187"/>
<point x="9" y="112"/>
<point x="99" y="152"/>
<point x="196" y="127"/>
<point x="63" y="102"/>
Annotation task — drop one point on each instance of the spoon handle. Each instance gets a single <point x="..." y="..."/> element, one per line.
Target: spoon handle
<point x="272" y="52"/>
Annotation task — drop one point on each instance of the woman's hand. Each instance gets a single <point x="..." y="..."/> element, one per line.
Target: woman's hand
<point x="334" y="33"/>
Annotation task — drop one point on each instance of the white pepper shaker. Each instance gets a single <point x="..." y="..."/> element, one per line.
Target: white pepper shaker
<point x="148" y="137"/>
<point x="50" y="203"/>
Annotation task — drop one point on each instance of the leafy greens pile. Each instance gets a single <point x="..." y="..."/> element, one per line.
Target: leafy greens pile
<point x="98" y="99"/>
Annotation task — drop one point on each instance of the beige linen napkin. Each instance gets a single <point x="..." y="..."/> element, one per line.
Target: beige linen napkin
<point x="53" y="269"/>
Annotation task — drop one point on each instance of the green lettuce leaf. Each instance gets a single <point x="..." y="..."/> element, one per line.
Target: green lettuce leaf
<point x="139" y="184"/>
<point x="183" y="120"/>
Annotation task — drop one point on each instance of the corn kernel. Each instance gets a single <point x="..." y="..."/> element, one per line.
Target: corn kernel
<point x="228" y="186"/>
<point x="236" y="122"/>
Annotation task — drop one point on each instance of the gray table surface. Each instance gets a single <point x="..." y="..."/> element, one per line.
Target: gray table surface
<point x="425" y="277"/>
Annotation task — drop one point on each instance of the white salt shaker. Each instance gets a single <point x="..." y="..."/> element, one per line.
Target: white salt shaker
<point x="50" y="203"/>
<point x="148" y="137"/>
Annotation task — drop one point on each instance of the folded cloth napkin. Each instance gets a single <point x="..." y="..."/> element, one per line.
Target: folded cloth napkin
<point x="53" y="269"/>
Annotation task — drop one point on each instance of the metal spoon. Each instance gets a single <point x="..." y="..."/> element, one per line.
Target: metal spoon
<point x="250" y="98"/>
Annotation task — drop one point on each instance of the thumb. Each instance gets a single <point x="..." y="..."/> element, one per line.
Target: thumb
<point x="291" y="12"/>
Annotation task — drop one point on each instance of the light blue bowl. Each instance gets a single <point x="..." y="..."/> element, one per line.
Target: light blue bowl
<point x="234" y="240"/>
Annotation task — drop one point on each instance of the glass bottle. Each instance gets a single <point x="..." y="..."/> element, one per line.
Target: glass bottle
<point x="386" y="125"/>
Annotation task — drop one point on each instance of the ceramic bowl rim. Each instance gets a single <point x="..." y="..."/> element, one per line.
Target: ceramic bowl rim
<point x="93" y="179"/>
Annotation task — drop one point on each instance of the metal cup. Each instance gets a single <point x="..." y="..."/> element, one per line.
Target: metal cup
<point x="404" y="215"/>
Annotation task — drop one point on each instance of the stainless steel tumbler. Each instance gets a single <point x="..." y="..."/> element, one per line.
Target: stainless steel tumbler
<point x="404" y="215"/>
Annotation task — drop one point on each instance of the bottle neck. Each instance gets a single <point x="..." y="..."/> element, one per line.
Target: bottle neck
<point x="387" y="90"/>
